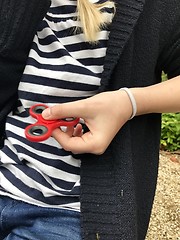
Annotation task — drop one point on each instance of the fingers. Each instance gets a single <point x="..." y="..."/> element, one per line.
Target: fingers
<point x="70" y="143"/>
<point x="78" y="131"/>
<point x="84" y="143"/>
<point x="69" y="131"/>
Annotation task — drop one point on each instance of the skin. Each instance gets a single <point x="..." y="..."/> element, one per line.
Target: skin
<point x="105" y="114"/>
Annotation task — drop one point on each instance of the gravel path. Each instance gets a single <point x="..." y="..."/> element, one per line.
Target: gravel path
<point x="165" y="219"/>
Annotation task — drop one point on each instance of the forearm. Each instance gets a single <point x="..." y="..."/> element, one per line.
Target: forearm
<point x="104" y="114"/>
<point x="158" y="98"/>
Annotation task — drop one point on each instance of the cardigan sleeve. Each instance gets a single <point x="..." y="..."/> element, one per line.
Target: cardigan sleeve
<point x="170" y="33"/>
<point x="171" y="55"/>
<point x="18" y="24"/>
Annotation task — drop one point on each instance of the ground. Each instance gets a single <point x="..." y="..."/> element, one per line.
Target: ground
<point x="165" y="218"/>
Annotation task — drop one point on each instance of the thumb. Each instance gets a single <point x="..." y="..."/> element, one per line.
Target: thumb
<point x="72" y="109"/>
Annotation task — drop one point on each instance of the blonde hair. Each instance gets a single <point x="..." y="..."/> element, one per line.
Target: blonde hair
<point x="92" y="18"/>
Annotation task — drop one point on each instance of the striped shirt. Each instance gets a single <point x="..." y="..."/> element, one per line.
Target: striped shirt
<point x="61" y="67"/>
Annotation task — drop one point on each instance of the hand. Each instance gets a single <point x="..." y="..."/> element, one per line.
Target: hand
<point x="104" y="114"/>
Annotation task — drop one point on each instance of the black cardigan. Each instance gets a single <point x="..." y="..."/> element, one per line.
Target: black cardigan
<point x="117" y="187"/>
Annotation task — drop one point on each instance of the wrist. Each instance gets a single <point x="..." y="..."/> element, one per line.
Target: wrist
<point x="122" y="105"/>
<point x="144" y="100"/>
<point x="132" y="101"/>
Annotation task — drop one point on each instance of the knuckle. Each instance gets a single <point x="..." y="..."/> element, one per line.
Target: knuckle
<point x="66" y="147"/>
<point x="99" y="149"/>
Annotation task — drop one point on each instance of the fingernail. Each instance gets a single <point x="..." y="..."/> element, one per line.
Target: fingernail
<point x="47" y="113"/>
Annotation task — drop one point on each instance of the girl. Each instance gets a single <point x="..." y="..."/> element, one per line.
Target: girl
<point x="103" y="62"/>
